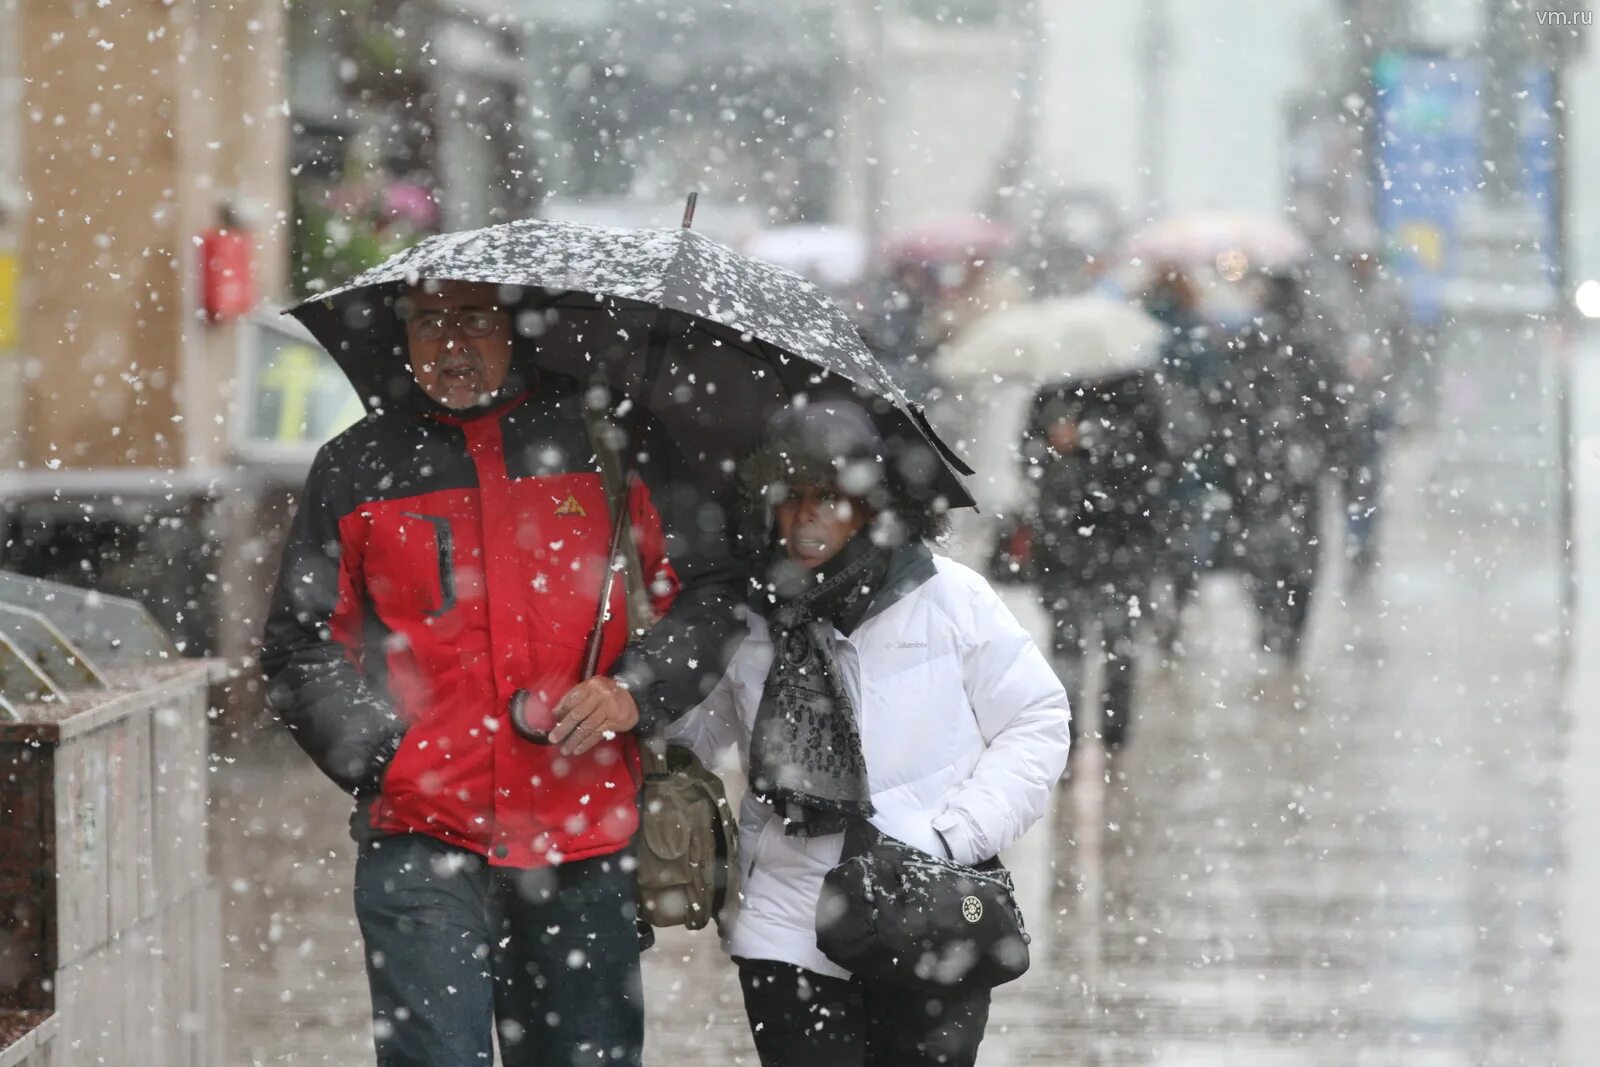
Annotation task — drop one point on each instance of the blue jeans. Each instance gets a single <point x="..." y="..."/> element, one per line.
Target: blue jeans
<point x="547" y="958"/>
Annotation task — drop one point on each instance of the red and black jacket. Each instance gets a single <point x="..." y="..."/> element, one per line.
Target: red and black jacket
<point x="436" y="565"/>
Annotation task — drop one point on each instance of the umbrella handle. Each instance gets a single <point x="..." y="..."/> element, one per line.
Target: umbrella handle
<point x="518" y="708"/>
<point x="654" y="354"/>
<point x="688" y="211"/>
<point x="591" y="655"/>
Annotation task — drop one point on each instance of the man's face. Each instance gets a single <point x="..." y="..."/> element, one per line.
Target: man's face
<point x="815" y="523"/>
<point x="458" y="335"/>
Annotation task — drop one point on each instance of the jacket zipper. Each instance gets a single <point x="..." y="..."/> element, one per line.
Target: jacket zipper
<point x="444" y="543"/>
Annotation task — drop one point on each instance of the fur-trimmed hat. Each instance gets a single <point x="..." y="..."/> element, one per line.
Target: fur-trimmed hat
<point x="835" y="444"/>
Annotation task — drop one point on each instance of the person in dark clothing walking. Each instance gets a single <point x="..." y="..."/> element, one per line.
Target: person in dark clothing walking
<point x="1189" y="379"/>
<point x="1372" y="339"/>
<point x="896" y="326"/>
<point x="1277" y="434"/>
<point x="449" y="551"/>
<point x="1096" y="455"/>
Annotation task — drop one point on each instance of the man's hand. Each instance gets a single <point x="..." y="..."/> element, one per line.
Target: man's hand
<point x="593" y="711"/>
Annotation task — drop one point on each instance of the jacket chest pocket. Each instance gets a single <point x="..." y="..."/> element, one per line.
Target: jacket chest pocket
<point x="561" y="540"/>
<point x="410" y="565"/>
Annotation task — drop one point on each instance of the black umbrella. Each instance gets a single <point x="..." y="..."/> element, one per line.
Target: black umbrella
<point x="714" y="341"/>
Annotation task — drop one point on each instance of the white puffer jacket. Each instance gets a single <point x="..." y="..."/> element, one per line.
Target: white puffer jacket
<point x="963" y="725"/>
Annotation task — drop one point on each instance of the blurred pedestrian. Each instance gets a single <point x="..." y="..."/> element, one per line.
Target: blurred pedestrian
<point x="880" y="683"/>
<point x="897" y="325"/>
<point x="1190" y="379"/>
<point x="1278" y="432"/>
<point x="494" y="886"/>
<point x="1372" y="340"/>
<point x="1096" y="455"/>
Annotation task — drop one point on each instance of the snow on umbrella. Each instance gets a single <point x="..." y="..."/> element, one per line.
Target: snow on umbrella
<point x="1088" y="338"/>
<point x="718" y="340"/>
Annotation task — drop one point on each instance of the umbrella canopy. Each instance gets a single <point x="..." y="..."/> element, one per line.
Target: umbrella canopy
<point x="1089" y="338"/>
<point x="1231" y="241"/>
<point x="737" y="338"/>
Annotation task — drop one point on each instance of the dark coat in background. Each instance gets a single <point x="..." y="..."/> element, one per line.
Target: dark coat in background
<point x="1099" y="534"/>
<point x="1101" y="503"/>
<point x="1276" y="426"/>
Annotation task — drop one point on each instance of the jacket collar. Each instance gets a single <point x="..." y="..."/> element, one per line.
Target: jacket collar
<point x="492" y="410"/>
<point x="909" y="567"/>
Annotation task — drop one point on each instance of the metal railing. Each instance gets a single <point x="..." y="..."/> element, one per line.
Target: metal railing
<point x="56" y="638"/>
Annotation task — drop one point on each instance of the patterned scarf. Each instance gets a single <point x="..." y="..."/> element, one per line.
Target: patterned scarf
<point x="805" y="750"/>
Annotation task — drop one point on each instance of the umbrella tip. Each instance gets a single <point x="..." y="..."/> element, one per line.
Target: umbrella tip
<point x="688" y="210"/>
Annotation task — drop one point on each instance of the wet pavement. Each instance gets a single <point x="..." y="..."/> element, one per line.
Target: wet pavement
<point x="1355" y="863"/>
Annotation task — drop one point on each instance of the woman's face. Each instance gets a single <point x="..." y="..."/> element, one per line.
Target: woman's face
<point x="814" y="523"/>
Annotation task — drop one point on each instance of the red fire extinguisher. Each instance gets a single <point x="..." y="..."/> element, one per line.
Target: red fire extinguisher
<point x="228" y="288"/>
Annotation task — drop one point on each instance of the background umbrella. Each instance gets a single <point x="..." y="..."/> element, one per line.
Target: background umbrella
<point x="718" y="341"/>
<point x="1232" y="242"/>
<point x="835" y="256"/>
<point x="1006" y="355"/>
<point x="948" y="240"/>
<point x="1085" y="337"/>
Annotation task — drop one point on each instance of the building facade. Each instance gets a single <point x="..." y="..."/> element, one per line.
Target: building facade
<point x="136" y="133"/>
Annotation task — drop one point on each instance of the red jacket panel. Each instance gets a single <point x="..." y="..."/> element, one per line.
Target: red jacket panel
<point x="467" y="563"/>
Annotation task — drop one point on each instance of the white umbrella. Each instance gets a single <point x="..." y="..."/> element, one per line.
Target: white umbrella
<point x="832" y="256"/>
<point x="1087" y="337"/>
<point x="1231" y="241"/>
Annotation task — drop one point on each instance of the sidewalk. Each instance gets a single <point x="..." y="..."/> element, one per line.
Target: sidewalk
<point x="1357" y="866"/>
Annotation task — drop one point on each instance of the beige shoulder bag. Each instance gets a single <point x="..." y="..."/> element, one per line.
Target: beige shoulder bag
<point x="688" y="841"/>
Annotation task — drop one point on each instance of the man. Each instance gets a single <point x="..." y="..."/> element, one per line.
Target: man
<point x="449" y="552"/>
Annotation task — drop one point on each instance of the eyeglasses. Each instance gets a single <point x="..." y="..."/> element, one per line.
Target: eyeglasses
<point x="472" y="323"/>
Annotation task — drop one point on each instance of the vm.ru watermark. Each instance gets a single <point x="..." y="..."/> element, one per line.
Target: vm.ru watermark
<point x="1563" y="19"/>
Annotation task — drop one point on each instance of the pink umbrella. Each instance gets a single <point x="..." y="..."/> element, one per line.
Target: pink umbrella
<point x="412" y="204"/>
<point x="948" y="240"/>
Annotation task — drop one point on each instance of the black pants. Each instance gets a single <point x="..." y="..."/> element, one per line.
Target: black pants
<point x="456" y="948"/>
<point x="1091" y="619"/>
<point x="803" y="1019"/>
<point x="1362" y="481"/>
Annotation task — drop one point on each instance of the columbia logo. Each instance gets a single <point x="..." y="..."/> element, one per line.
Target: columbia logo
<point x="908" y="644"/>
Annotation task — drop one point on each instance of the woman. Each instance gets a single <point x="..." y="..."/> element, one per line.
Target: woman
<point x="906" y="695"/>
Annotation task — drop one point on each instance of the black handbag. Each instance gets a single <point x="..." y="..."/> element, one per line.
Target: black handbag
<point x="893" y="913"/>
